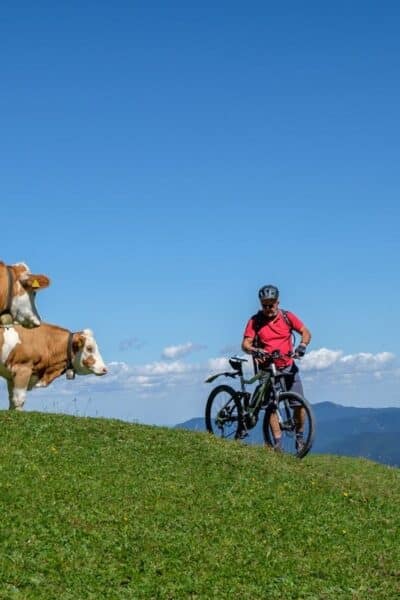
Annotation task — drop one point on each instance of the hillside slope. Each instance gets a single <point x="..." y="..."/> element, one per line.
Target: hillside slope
<point x="95" y="509"/>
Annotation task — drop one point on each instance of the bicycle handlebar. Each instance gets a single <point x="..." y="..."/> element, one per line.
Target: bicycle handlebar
<point x="275" y="355"/>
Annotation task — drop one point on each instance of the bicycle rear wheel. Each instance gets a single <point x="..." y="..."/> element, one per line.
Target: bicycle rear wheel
<point x="224" y="413"/>
<point x="294" y="419"/>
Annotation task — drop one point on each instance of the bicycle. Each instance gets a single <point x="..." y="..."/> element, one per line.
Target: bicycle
<point x="232" y="413"/>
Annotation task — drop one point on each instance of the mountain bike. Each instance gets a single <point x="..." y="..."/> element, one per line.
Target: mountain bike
<point x="288" y="417"/>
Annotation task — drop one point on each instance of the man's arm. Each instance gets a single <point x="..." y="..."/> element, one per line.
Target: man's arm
<point x="305" y="340"/>
<point x="247" y="345"/>
<point x="305" y="335"/>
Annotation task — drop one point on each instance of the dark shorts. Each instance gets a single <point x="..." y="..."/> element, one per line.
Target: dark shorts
<point x="292" y="379"/>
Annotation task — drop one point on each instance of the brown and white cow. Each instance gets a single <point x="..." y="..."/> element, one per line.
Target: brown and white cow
<point x="35" y="357"/>
<point x="18" y="287"/>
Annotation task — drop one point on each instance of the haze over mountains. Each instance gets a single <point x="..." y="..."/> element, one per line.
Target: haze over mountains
<point x="372" y="433"/>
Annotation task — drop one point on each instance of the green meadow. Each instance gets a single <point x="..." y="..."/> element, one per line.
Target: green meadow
<point x="96" y="508"/>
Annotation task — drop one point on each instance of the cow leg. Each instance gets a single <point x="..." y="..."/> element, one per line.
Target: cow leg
<point x="10" y="388"/>
<point x="50" y="375"/>
<point x="17" y="387"/>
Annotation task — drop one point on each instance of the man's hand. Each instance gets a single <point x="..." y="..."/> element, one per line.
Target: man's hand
<point x="300" y="350"/>
<point x="259" y="353"/>
<point x="260" y="356"/>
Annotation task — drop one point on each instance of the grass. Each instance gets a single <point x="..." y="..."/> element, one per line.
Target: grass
<point x="95" y="508"/>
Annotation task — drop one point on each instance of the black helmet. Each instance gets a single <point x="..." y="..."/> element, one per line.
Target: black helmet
<point x="268" y="292"/>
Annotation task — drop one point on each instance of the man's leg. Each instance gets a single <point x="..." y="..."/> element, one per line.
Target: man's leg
<point x="276" y="430"/>
<point x="295" y="385"/>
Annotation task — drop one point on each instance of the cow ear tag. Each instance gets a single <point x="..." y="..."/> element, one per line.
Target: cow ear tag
<point x="35" y="284"/>
<point x="70" y="374"/>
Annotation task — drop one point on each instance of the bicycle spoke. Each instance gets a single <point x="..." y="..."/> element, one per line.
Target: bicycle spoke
<point x="289" y="426"/>
<point x="223" y="413"/>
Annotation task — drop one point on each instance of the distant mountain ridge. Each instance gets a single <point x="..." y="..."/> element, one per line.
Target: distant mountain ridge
<point x="372" y="433"/>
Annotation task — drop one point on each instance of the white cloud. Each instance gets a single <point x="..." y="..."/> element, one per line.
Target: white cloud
<point x="171" y="352"/>
<point x="218" y="364"/>
<point x="132" y="342"/>
<point x="333" y="360"/>
<point x="368" y="360"/>
<point x="164" y="368"/>
<point x="320" y="359"/>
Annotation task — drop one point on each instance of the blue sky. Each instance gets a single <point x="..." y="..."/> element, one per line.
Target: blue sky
<point x="160" y="162"/>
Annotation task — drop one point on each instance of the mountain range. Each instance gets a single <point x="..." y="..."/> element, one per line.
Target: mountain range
<point x="372" y="433"/>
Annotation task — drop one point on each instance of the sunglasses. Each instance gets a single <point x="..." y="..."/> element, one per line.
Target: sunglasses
<point x="268" y="305"/>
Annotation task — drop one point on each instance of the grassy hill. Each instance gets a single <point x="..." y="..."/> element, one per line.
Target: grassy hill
<point x="94" y="509"/>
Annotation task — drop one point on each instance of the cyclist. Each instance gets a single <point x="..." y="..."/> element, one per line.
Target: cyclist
<point x="271" y="329"/>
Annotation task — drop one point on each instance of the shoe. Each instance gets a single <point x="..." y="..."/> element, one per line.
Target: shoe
<point x="242" y="435"/>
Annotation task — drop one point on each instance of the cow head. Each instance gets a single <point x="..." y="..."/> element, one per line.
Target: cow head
<point x="86" y="356"/>
<point x="18" y="287"/>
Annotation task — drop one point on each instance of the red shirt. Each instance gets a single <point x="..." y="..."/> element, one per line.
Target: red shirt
<point x="275" y="333"/>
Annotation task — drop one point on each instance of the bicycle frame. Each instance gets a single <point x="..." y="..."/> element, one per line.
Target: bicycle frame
<point x="261" y="396"/>
<point x="257" y="398"/>
<point x="272" y="384"/>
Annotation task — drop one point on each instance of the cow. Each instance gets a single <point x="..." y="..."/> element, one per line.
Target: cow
<point x="18" y="287"/>
<point x="33" y="358"/>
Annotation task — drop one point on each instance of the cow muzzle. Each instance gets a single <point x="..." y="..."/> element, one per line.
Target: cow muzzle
<point x="101" y="371"/>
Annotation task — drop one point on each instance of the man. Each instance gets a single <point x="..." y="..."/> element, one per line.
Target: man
<point x="271" y="329"/>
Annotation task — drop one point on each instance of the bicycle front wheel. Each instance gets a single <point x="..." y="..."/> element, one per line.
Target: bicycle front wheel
<point x="289" y="425"/>
<point x="224" y="413"/>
